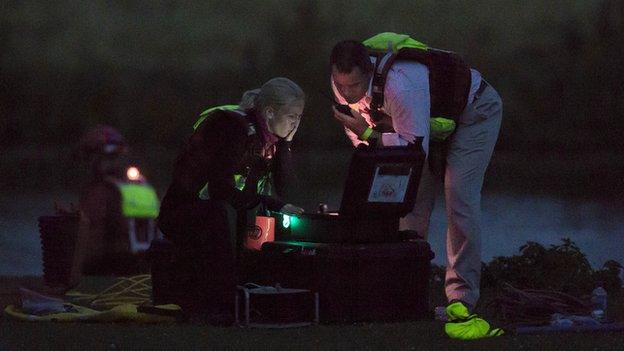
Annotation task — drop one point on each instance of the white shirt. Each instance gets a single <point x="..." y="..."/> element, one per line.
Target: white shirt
<point x="406" y="100"/>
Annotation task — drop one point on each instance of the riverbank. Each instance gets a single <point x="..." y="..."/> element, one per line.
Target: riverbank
<point x="525" y="199"/>
<point x="570" y="175"/>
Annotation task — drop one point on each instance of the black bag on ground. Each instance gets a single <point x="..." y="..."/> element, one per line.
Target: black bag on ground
<point x="171" y="283"/>
<point x="358" y="282"/>
<point x="58" y="241"/>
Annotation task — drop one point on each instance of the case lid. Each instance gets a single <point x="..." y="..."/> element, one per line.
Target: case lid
<point x="382" y="182"/>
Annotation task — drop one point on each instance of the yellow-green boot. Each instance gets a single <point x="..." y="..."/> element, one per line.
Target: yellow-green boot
<point x="465" y="326"/>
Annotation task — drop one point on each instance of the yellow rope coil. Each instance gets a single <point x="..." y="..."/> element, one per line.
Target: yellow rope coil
<point x="134" y="290"/>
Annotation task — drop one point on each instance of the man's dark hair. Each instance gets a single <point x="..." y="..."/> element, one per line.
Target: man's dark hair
<point x="349" y="54"/>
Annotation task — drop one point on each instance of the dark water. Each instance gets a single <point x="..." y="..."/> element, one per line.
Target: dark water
<point x="508" y="222"/>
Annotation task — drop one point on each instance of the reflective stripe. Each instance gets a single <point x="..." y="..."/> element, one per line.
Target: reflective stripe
<point x="204" y="115"/>
<point x="383" y="61"/>
<point x="203" y="193"/>
<point x="264" y="186"/>
<point x="239" y="181"/>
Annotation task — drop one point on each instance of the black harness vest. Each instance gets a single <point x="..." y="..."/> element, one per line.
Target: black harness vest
<point x="449" y="79"/>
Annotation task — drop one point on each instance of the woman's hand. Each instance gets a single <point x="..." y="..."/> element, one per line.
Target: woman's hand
<point x="357" y="124"/>
<point x="290" y="209"/>
<point x="290" y="135"/>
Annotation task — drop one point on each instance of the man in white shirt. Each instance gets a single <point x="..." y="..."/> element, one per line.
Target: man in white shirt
<point x="407" y="106"/>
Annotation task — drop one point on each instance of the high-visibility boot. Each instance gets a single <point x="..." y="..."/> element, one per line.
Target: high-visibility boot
<point x="465" y="326"/>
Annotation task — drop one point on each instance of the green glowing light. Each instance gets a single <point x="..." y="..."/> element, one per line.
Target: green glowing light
<point x="294" y="221"/>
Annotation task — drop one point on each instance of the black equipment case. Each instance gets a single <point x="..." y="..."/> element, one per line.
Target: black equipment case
<point x="356" y="259"/>
<point x="356" y="282"/>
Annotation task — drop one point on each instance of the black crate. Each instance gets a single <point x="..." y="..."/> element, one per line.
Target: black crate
<point x="275" y="307"/>
<point x="58" y="240"/>
<point x="356" y="282"/>
<point x="172" y="277"/>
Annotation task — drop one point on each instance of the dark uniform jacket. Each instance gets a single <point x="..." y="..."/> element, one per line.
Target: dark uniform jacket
<point x="225" y="144"/>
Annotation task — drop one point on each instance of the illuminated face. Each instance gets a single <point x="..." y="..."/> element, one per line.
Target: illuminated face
<point x="353" y="85"/>
<point x="285" y="119"/>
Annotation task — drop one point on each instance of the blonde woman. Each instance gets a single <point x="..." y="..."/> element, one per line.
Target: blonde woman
<point x="215" y="176"/>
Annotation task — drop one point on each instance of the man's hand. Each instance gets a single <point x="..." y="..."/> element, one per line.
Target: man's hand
<point x="357" y="124"/>
<point x="384" y="124"/>
<point x="290" y="209"/>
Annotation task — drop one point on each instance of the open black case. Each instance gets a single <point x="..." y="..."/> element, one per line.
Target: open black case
<point x="381" y="187"/>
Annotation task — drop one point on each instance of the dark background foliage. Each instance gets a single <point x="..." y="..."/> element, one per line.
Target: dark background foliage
<point x="560" y="267"/>
<point x="149" y="67"/>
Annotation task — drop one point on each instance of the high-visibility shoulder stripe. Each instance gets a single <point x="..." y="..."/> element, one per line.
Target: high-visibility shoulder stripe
<point x="206" y="113"/>
<point x="392" y="41"/>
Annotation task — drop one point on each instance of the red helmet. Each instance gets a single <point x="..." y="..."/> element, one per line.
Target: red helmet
<point x="104" y="140"/>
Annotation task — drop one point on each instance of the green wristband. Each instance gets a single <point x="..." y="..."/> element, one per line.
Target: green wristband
<point x="367" y="133"/>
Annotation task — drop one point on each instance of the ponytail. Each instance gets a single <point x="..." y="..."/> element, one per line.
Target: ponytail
<point x="276" y="93"/>
<point x="249" y="101"/>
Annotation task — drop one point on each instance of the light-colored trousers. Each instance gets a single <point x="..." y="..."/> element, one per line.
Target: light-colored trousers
<point x="469" y="154"/>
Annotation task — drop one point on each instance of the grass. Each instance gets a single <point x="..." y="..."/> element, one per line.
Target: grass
<point x="404" y="336"/>
<point x="421" y="335"/>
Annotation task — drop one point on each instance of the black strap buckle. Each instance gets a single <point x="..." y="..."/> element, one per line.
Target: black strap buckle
<point x="481" y="89"/>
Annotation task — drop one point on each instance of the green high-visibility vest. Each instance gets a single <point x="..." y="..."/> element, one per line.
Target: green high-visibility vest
<point x="264" y="184"/>
<point x="138" y="200"/>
